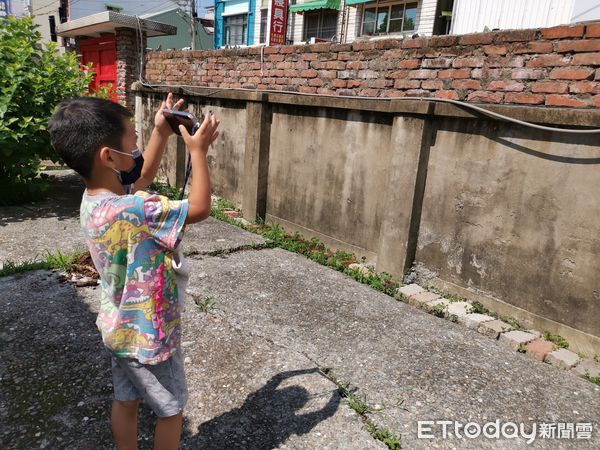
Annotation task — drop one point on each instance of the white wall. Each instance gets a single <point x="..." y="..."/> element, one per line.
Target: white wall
<point x="472" y="16"/>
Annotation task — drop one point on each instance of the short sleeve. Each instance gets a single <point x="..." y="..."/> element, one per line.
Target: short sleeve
<point x="165" y="218"/>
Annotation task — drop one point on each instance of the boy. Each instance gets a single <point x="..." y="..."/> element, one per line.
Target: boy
<point x="133" y="241"/>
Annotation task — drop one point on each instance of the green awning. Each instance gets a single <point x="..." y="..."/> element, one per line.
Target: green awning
<point x="318" y="4"/>
<point x="356" y="2"/>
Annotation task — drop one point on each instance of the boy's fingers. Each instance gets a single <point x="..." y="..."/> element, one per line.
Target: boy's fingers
<point x="178" y="104"/>
<point x="184" y="133"/>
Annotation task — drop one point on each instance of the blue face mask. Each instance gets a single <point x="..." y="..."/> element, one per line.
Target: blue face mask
<point x="134" y="174"/>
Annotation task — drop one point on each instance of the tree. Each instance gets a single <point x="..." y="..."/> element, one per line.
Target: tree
<point x="33" y="80"/>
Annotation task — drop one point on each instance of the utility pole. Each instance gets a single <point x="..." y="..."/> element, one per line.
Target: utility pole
<point x="189" y="8"/>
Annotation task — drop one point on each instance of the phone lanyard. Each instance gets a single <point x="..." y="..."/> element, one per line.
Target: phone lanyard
<point x="188" y="167"/>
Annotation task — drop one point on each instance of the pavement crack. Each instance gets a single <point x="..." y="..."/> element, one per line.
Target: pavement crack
<point x="228" y="251"/>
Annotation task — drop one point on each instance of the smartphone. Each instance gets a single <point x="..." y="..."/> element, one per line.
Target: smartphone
<point x="176" y="118"/>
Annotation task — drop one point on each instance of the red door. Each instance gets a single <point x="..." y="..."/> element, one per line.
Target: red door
<point x="102" y="53"/>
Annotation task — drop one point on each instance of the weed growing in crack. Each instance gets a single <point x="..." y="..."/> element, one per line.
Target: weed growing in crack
<point x="205" y="305"/>
<point x="557" y="339"/>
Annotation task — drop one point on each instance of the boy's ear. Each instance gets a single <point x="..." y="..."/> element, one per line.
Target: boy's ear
<point x="105" y="157"/>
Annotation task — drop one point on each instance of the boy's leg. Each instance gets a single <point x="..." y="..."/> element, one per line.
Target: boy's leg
<point x="124" y="423"/>
<point x="168" y="432"/>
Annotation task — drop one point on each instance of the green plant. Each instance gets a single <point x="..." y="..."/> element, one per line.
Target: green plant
<point x="58" y="260"/>
<point x="164" y="189"/>
<point x="595" y="380"/>
<point x="557" y="339"/>
<point x="12" y="268"/>
<point x="477" y="307"/>
<point x="521" y="349"/>
<point x="384" y="435"/>
<point x="512" y="321"/>
<point x="33" y="80"/>
<point x="205" y="305"/>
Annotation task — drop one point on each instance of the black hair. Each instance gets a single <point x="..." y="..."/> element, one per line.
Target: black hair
<point x="83" y="125"/>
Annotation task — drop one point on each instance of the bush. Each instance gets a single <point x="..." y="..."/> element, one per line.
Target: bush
<point x="33" y="80"/>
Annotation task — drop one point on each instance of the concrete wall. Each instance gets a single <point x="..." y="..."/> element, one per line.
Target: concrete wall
<point x="486" y="209"/>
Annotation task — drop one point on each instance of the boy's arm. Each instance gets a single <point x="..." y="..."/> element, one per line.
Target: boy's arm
<point x="199" y="199"/>
<point x="155" y="149"/>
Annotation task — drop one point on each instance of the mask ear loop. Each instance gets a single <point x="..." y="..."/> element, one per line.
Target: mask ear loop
<point x="188" y="167"/>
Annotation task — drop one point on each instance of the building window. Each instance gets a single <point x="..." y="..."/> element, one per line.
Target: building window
<point x="320" y="24"/>
<point x="264" y="14"/>
<point x="236" y="29"/>
<point x="397" y="18"/>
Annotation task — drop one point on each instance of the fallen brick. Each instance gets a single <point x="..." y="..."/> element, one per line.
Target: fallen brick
<point x="515" y="338"/>
<point x="494" y="328"/>
<point x="423" y="298"/>
<point x="587" y="368"/>
<point x="459" y="308"/>
<point x="411" y="289"/>
<point x="562" y="358"/>
<point x="474" y="320"/>
<point x="539" y="348"/>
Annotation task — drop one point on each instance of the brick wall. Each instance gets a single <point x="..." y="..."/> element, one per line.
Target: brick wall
<point x="557" y="66"/>
<point x="127" y="64"/>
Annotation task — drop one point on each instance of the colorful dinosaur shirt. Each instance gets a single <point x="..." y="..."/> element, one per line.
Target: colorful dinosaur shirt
<point x="132" y="239"/>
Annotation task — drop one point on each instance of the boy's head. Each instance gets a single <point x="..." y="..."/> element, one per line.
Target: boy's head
<point x="83" y="126"/>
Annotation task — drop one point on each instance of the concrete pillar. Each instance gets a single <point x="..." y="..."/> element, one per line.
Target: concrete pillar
<point x="409" y="156"/>
<point x="256" y="159"/>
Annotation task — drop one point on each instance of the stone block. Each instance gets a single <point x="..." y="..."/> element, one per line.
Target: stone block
<point x="459" y="308"/>
<point x="423" y="298"/>
<point x="539" y="348"/>
<point x="437" y="303"/>
<point x="411" y="289"/>
<point x="494" y="328"/>
<point x="474" y="320"/>
<point x="563" y="358"/>
<point x="515" y="338"/>
<point x="587" y="368"/>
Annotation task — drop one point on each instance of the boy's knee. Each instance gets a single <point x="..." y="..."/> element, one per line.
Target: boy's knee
<point x="127" y="404"/>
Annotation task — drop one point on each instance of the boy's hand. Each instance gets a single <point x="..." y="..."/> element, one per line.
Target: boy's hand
<point x="160" y="123"/>
<point x="205" y="135"/>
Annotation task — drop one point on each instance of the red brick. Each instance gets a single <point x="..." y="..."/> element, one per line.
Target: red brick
<point x="406" y="84"/>
<point x="349" y="56"/>
<point x="506" y="85"/>
<point x="309" y="73"/>
<point x="414" y="43"/>
<point x="466" y="84"/>
<point x="392" y="94"/>
<point x="357" y="83"/>
<point x="381" y="64"/>
<point x="399" y="74"/>
<point x="417" y="93"/>
<point x="327" y="74"/>
<point x="363" y="45"/>
<point x="562" y="32"/>
<point x="353" y="65"/>
<point x="307" y="90"/>
<point x="432" y="84"/>
<point x="587" y="59"/>
<point x="341" y="47"/>
<point x="274" y="58"/>
<point x="325" y="91"/>
<point x="316" y="82"/>
<point x="564" y="100"/>
<point x="337" y="83"/>
<point x="436" y="63"/>
<point x="409" y="64"/>
<point x="468" y="62"/>
<point x="346" y="92"/>
<point x="452" y="95"/>
<point x="309" y="56"/>
<point x="319" y="48"/>
<point x="378" y="84"/>
<point x="523" y="98"/>
<point x="487" y="74"/>
<point x="532" y="47"/>
<point x="443" y="41"/>
<point x="476" y="39"/>
<point x="422" y="74"/>
<point x="549" y="61"/>
<point x="593" y="30"/>
<point x="527" y="74"/>
<point x="587" y="45"/>
<point x="485" y="97"/>
<point x="454" y="73"/>
<point x="367" y="74"/>
<point x="570" y="74"/>
<point x="369" y="92"/>
<point x="596" y="101"/>
<point x="270" y="50"/>
<point x="515" y="35"/>
<point x="550" y="87"/>
<point x="386" y="44"/>
<point x="505" y="61"/>
<point x="539" y="348"/>
<point x="492" y="50"/>
<point x="584" y="87"/>
<point x="287" y="49"/>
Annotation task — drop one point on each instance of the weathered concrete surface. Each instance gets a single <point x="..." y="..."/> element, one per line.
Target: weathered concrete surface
<point x="28" y="232"/>
<point x="245" y="391"/>
<point x="212" y="236"/>
<point x="506" y="215"/>
<point x="392" y="351"/>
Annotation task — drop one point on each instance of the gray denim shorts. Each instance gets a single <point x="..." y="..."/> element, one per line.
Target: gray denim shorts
<point x="162" y="386"/>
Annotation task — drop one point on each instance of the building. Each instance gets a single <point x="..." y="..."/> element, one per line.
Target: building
<point x="245" y="22"/>
<point x="178" y="18"/>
